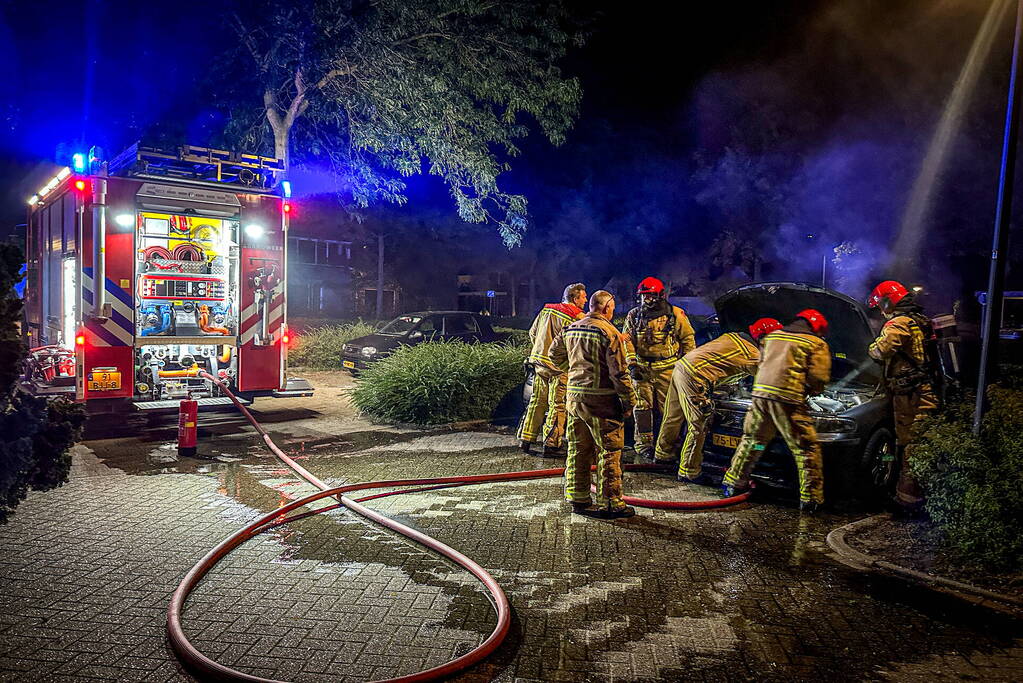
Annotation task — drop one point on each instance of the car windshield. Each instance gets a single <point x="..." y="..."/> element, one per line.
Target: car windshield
<point x="401" y="325"/>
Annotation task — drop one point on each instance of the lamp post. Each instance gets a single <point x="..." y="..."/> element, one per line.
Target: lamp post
<point x="1000" y="241"/>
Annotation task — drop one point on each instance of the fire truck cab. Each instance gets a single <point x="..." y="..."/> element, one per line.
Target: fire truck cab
<point x="151" y="269"/>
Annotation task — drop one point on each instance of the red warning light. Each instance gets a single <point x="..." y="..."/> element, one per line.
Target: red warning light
<point x="286" y="338"/>
<point x="80" y="340"/>
<point x="80" y="185"/>
<point x="287" y="207"/>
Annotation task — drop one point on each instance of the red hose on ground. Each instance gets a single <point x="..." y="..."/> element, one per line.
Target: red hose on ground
<point x="200" y="662"/>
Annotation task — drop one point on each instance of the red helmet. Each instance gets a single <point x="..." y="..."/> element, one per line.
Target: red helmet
<point x="889" y="289"/>
<point x="650" y="285"/>
<point x="818" y="323"/>
<point x="762" y="327"/>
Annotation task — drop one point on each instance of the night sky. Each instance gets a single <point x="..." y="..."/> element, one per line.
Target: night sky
<point x="853" y="89"/>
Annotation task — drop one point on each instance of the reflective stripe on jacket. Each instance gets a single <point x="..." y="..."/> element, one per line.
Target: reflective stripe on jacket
<point x="793" y="365"/>
<point x="656" y="343"/>
<point x="595" y="356"/>
<point x="549" y="323"/>
<point x="721" y="358"/>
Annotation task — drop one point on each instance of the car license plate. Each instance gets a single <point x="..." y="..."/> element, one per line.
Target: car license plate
<point x="104" y="379"/>
<point x="348" y="364"/>
<point x="726" y="440"/>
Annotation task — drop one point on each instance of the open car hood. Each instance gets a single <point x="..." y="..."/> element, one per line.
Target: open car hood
<point x="849" y="329"/>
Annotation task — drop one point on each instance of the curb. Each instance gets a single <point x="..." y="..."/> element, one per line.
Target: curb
<point x="864" y="562"/>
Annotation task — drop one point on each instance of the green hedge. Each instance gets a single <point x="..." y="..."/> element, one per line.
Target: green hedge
<point x="320" y="348"/>
<point x="974" y="485"/>
<point x="440" y="382"/>
<point x="516" y="337"/>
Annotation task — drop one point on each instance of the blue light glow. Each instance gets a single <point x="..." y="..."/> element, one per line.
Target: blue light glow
<point x="78" y="161"/>
<point x="286" y="188"/>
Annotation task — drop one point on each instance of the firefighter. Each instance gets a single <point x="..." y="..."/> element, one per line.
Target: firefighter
<point x="600" y="394"/>
<point x="657" y="334"/>
<point x="795" y="362"/>
<point x="719" y="361"/>
<point x="908" y="372"/>
<point x="545" y="414"/>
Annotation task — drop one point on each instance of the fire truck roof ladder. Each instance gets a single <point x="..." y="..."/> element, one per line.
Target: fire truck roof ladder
<point x="199" y="164"/>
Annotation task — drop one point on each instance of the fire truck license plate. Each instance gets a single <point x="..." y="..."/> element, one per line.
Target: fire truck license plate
<point x="726" y="440"/>
<point x="348" y="364"/>
<point x="104" y="380"/>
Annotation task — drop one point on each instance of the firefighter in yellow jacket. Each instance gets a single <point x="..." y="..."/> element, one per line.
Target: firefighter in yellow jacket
<point x="600" y="394"/>
<point x="908" y="374"/>
<point x="545" y="414"/>
<point x="795" y="362"/>
<point x="657" y="334"/>
<point x="721" y="360"/>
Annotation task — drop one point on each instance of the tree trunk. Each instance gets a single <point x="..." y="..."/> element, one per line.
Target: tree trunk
<point x="282" y="133"/>
<point x="380" y="275"/>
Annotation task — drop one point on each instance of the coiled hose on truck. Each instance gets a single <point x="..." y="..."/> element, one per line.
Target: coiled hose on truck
<point x="200" y="663"/>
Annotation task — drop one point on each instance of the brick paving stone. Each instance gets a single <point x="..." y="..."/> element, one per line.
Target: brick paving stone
<point x="744" y="594"/>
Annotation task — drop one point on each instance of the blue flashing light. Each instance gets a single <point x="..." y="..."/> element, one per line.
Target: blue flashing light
<point x="491" y="294"/>
<point x="286" y="188"/>
<point x="78" y="161"/>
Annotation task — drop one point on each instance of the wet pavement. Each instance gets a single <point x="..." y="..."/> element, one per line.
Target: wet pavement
<point x="747" y="593"/>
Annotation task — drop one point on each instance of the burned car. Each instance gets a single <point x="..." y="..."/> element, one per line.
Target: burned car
<point x="853" y="416"/>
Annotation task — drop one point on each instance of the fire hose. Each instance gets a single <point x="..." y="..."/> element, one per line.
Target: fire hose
<point x="193" y="658"/>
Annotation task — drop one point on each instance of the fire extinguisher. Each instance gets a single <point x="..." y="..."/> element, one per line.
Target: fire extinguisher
<point x="188" y="416"/>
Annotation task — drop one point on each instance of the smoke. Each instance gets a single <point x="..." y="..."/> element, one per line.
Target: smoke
<point x="828" y="147"/>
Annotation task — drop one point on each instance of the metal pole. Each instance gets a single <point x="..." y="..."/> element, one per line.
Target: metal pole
<point x="824" y="271"/>
<point x="1000" y="242"/>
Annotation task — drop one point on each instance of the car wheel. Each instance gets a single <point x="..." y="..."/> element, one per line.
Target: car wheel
<point x="879" y="462"/>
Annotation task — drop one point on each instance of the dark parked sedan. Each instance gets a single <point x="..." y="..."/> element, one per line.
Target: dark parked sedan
<point x="415" y="328"/>
<point x="853" y="416"/>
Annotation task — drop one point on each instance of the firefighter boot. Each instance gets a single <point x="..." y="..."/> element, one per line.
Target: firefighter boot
<point x="809" y="507"/>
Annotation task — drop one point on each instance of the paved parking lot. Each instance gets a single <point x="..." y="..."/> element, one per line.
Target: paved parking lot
<point x="743" y="594"/>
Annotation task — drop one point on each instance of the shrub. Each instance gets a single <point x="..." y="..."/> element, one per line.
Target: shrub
<point x="439" y="382"/>
<point x="973" y="484"/>
<point x="36" y="434"/>
<point x="516" y="337"/>
<point x="320" y="348"/>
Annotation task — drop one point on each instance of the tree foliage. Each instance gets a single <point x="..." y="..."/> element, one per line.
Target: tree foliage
<point x="388" y="89"/>
<point x="36" y="434"/>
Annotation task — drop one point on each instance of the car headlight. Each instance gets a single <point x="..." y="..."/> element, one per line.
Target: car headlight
<point x="834" y="425"/>
<point x="369" y="351"/>
<point x="348" y="348"/>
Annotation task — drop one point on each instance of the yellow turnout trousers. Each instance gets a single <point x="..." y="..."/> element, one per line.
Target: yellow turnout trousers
<point x="909" y="410"/>
<point x="544" y="419"/>
<point x="594" y="440"/>
<point x="687" y="402"/>
<point x="792" y="421"/>
<point x="651" y="394"/>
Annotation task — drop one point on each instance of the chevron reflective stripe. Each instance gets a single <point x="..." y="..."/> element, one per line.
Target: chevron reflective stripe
<point x="119" y="328"/>
<point x="251" y="318"/>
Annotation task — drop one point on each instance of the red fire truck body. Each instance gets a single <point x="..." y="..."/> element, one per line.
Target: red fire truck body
<point x="154" y="268"/>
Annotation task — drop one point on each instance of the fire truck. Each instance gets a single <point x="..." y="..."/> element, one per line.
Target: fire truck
<point x="152" y="268"/>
